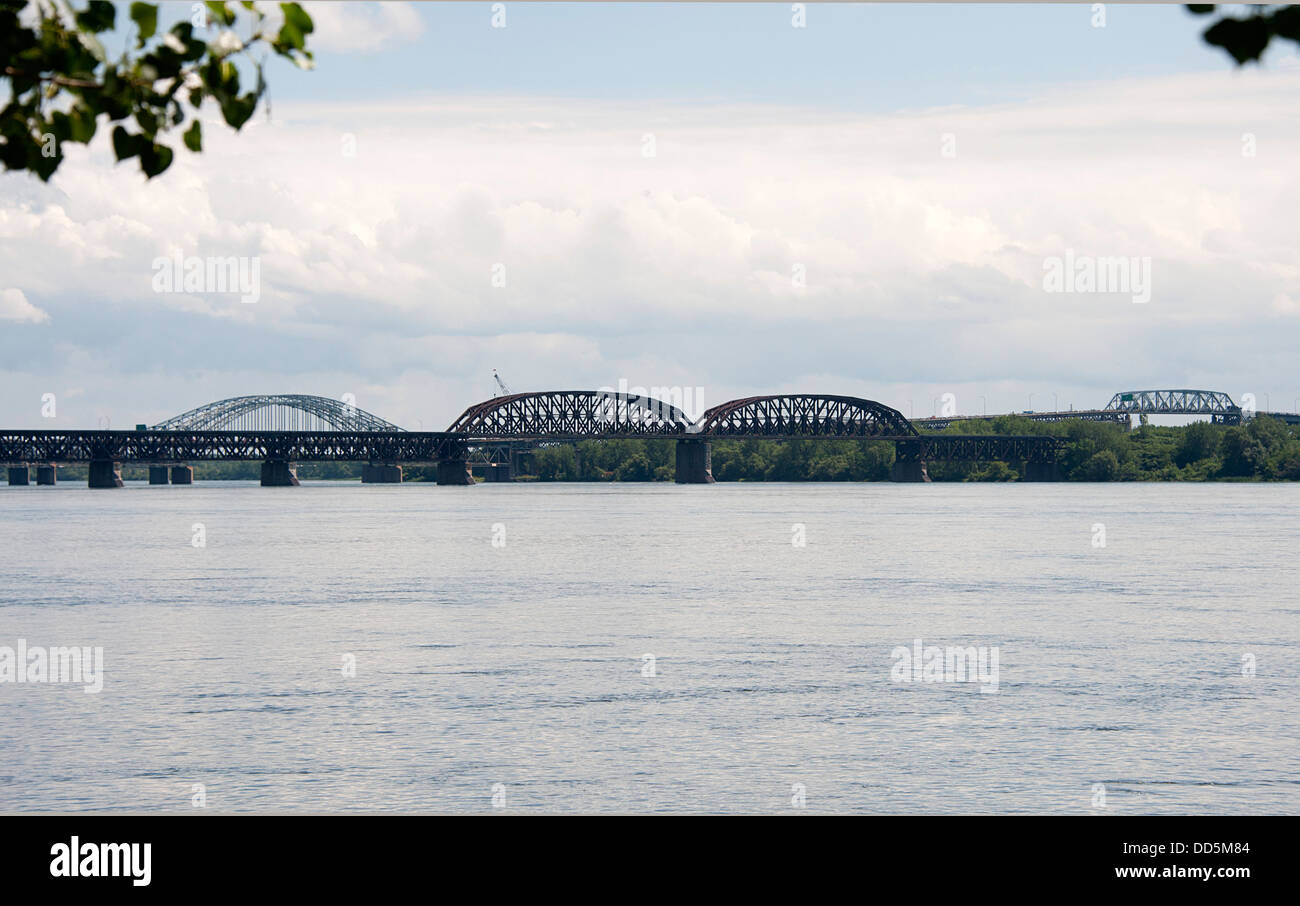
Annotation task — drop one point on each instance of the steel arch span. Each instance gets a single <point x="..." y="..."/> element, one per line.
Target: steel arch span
<point x="804" y="415"/>
<point x="1175" y="402"/>
<point x="571" y="414"/>
<point x="285" y="412"/>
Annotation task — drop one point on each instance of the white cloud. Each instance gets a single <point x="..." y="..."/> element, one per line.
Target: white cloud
<point x="920" y="269"/>
<point x="15" y="307"/>
<point x="355" y="27"/>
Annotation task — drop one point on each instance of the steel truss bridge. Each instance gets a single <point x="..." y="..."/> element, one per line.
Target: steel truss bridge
<point x="155" y="446"/>
<point x="1219" y="406"/>
<point x="570" y="415"/>
<point x="283" y="430"/>
<point x="286" y="412"/>
<point x="1122" y="406"/>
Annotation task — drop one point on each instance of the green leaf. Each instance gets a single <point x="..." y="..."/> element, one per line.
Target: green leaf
<point x="289" y="39"/>
<point x="1286" y="23"/>
<point x="194" y="137"/>
<point x="221" y="12"/>
<point x="1245" y="39"/>
<point x="154" y="158"/>
<point x="125" y="144"/>
<point x="297" y="24"/>
<point x="82" y="123"/>
<point x="296" y="16"/>
<point x="238" y="110"/>
<point x="145" y="17"/>
<point x="147" y="120"/>
<point x="99" y="15"/>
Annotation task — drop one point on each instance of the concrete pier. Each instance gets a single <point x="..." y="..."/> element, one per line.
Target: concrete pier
<point x="694" y="462"/>
<point x="157" y="474"/>
<point x="455" y="471"/>
<point x="19" y="475"/>
<point x="498" y="471"/>
<point x="182" y="475"/>
<point x="908" y="471"/>
<point x="1042" y="471"/>
<point x="47" y="474"/>
<point x="105" y="473"/>
<point x="377" y="473"/>
<point x="276" y="473"/>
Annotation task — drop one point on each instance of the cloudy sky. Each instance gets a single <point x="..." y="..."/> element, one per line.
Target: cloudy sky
<point x="690" y="196"/>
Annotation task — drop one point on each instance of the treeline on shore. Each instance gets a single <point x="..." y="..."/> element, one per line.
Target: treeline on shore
<point x="1261" y="449"/>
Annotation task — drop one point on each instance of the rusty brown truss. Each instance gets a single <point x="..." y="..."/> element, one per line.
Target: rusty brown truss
<point x="572" y="415"/>
<point x="578" y="414"/>
<point x="804" y="415"/>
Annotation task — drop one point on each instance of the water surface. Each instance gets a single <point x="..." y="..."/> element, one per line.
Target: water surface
<point x="524" y="665"/>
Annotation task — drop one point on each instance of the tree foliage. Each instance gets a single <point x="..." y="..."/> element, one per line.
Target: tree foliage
<point x="1261" y="449"/>
<point x="62" y="82"/>
<point x="1245" y="38"/>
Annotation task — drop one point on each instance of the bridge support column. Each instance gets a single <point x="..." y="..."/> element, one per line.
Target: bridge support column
<point x="377" y="473"/>
<point x="1042" y="471"/>
<point x="105" y="473"/>
<point x="909" y="470"/>
<point x="455" y="471"/>
<point x="694" y="462"/>
<point x="182" y="475"/>
<point x="157" y="474"/>
<point x="47" y="474"/>
<point x="19" y="475"/>
<point x="276" y="473"/>
<point x="498" y="471"/>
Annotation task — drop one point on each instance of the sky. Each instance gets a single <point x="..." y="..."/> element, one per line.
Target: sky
<point x="691" y="196"/>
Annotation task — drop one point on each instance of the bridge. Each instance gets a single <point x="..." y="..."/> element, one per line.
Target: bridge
<point x="281" y="431"/>
<point x="1219" y="406"/>
<point x="286" y="412"/>
<point x="1122" y="406"/>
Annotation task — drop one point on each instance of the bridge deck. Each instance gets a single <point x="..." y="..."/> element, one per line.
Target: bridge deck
<point x="207" y="446"/>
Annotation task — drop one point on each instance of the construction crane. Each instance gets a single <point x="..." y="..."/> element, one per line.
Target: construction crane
<point x="505" y="391"/>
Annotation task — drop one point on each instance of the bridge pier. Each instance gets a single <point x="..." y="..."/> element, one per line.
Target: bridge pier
<point x="104" y="473"/>
<point x="498" y="472"/>
<point x="381" y="473"/>
<point x="1042" y="471"/>
<point x="908" y="470"/>
<point x="277" y="473"/>
<point x="455" y="472"/>
<point x="694" y="462"/>
<point x="47" y="474"/>
<point x="19" y="475"/>
<point x="157" y="474"/>
<point x="182" y="475"/>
